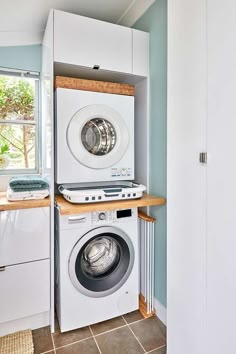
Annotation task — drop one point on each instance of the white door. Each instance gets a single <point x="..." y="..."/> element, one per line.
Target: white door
<point x="87" y="42"/>
<point x="221" y="177"/>
<point x="186" y="191"/>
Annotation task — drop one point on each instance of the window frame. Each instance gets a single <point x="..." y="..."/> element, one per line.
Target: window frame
<point x="37" y="119"/>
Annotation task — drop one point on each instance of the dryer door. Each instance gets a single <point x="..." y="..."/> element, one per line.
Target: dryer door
<point x="97" y="136"/>
<point x="101" y="261"/>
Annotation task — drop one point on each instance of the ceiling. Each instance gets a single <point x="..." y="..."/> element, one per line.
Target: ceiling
<point x="23" y="22"/>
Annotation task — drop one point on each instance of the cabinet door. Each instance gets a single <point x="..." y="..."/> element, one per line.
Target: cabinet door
<point x="25" y="290"/>
<point x="186" y="177"/>
<point x="140" y="53"/>
<point x="221" y="177"/>
<point x="24" y="235"/>
<point x="87" y="42"/>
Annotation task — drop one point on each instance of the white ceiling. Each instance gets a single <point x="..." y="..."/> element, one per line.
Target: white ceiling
<point x="22" y="22"/>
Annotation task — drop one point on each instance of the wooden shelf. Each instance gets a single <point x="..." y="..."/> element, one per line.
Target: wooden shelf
<point x="22" y="204"/>
<point x="67" y="208"/>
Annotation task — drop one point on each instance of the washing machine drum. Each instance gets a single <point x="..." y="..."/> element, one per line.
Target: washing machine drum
<point x="97" y="136"/>
<point x="101" y="261"/>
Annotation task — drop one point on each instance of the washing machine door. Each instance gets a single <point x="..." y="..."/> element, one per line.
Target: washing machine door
<point x="101" y="261"/>
<point x="97" y="136"/>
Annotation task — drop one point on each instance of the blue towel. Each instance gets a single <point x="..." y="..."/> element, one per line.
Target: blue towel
<point x="26" y="183"/>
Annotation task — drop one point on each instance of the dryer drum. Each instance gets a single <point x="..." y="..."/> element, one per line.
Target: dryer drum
<point x="102" y="264"/>
<point x="98" y="136"/>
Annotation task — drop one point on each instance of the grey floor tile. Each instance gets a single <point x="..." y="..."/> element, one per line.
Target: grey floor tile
<point x="61" y="339"/>
<point x="104" y="326"/>
<point x="42" y="340"/>
<point x="87" y="346"/>
<point x="150" y="332"/>
<point x="119" y="341"/>
<point x="133" y="316"/>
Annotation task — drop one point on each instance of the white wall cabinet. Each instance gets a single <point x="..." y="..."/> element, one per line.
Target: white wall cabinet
<point x="201" y="197"/>
<point x="24" y="267"/>
<point x="140" y="50"/>
<point x="87" y="42"/>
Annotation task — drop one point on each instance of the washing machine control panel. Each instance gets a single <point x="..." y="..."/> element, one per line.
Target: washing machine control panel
<point x="105" y="217"/>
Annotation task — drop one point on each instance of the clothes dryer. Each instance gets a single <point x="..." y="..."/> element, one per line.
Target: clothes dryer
<point x="97" y="267"/>
<point x="94" y="136"/>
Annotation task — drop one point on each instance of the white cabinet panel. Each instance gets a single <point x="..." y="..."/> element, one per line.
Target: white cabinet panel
<point x="87" y="42"/>
<point x="186" y="191"/>
<point x="140" y="53"/>
<point x="24" y="235"/>
<point x="25" y="290"/>
<point x="221" y="177"/>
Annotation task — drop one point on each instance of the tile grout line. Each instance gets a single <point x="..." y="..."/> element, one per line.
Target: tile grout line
<point x="134" y="335"/>
<point x="110" y="330"/>
<point x="54" y="348"/>
<point x="163" y="346"/>
<point x="69" y="344"/>
<point x="95" y="340"/>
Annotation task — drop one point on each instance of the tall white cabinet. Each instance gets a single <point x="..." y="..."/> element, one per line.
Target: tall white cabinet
<point x="76" y="46"/>
<point x="201" y="197"/>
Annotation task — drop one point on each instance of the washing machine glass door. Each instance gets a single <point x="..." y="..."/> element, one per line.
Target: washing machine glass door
<point x="101" y="261"/>
<point x="97" y="136"/>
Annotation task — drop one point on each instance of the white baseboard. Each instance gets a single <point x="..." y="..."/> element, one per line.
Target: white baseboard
<point x="160" y="311"/>
<point x="32" y="322"/>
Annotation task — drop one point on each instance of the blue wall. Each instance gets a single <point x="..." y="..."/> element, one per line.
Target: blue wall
<point x="21" y="57"/>
<point x="154" y="21"/>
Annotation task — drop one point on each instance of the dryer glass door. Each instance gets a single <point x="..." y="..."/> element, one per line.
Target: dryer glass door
<point x="101" y="261"/>
<point x="97" y="136"/>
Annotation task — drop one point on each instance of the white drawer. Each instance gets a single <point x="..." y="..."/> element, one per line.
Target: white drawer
<point x="24" y="235"/>
<point x="25" y="290"/>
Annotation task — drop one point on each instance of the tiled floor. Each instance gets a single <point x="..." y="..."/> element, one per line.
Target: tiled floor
<point x="128" y="334"/>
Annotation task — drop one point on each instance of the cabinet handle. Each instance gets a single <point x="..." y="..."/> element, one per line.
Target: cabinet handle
<point x="2" y="268"/>
<point x="96" y="67"/>
<point x="203" y="157"/>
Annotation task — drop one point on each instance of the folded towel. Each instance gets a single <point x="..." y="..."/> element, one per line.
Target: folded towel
<point x="28" y="183"/>
<point x="14" y="196"/>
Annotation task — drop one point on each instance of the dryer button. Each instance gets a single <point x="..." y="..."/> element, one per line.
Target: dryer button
<point x="123" y="172"/>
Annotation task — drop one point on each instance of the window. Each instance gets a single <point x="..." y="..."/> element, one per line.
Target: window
<point x="19" y="115"/>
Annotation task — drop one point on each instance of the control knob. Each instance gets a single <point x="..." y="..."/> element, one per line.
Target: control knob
<point x="101" y="216"/>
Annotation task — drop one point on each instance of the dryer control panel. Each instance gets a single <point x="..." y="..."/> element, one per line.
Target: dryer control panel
<point x="105" y="217"/>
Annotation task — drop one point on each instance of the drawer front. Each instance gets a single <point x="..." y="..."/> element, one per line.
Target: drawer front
<point x="25" y="290"/>
<point x="87" y="42"/>
<point x="24" y="235"/>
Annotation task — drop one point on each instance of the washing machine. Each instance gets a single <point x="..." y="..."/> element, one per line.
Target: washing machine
<point x="97" y="266"/>
<point x="94" y="136"/>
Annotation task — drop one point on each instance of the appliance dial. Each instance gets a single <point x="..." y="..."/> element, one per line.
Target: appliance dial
<point x="124" y="172"/>
<point x="101" y="216"/>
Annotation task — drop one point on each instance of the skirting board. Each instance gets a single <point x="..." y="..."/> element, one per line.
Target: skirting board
<point x="160" y="311"/>
<point x="31" y="322"/>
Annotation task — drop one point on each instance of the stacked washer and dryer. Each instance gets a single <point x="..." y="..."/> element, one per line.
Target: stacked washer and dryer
<point x="97" y="263"/>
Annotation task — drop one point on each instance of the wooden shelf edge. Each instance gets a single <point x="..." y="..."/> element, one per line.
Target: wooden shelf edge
<point x="67" y="208"/>
<point x="6" y="205"/>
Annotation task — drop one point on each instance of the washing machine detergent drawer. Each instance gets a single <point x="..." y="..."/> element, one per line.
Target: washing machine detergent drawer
<point x="94" y="136"/>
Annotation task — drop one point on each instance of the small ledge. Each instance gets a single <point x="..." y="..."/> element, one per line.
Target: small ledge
<point x="22" y="204"/>
<point x="67" y="208"/>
